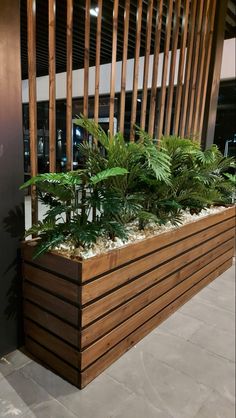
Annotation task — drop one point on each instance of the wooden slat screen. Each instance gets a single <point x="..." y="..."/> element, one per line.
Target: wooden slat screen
<point x="52" y="84"/>
<point x="177" y="39"/>
<point x="69" y="35"/>
<point x="31" y="26"/>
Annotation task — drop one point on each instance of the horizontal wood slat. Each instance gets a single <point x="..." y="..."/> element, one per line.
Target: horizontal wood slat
<point x="57" y="285"/>
<point x="105" y="361"/>
<point x="99" y="264"/>
<point x="51" y="323"/>
<point x="53" y="304"/>
<point x="84" y="325"/>
<point x="120" y="276"/>
<point x="137" y="296"/>
<point x="57" y="364"/>
<point x="54" y="344"/>
<point x="120" y="332"/>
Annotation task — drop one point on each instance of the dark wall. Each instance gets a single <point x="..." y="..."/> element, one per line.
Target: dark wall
<point x="11" y="172"/>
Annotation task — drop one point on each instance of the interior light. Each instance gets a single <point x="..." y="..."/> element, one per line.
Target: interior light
<point x="94" y="12"/>
<point x="139" y="100"/>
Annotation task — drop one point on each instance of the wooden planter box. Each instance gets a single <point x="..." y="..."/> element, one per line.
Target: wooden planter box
<point x="80" y="316"/>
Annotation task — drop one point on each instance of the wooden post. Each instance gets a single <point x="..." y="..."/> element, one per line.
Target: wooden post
<point x="210" y="108"/>
<point x="124" y="65"/>
<point x="164" y="70"/>
<point x="97" y="65"/>
<point x="31" y="29"/>
<point x="179" y="88"/>
<point x="155" y="68"/>
<point x="69" y="156"/>
<point x="146" y="64"/>
<point x="136" y="68"/>
<point x="86" y="57"/>
<point x="170" y="92"/>
<point x="113" y="67"/>
<point x="52" y="84"/>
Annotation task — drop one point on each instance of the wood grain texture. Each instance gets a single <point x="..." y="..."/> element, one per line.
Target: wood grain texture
<point x="170" y="91"/>
<point x="179" y="88"/>
<point x="155" y="68"/>
<point x="113" y="66"/>
<point x="146" y="65"/>
<point x="31" y="36"/>
<point x="86" y="56"/>
<point x="69" y="34"/>
<point x="84" y="325"/>
<point x="105" y="361"/>
<point x="52" y="83"/>
<point x="161" y="104"/>
<point x="186" y="87"/>
<point x="124" y="66"/>
<point x="136" y="71"/>
<point x="97" y="65"/>
<point x="194" y="68"/>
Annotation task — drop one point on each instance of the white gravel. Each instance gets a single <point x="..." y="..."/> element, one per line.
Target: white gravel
<point x="104" y="244"/>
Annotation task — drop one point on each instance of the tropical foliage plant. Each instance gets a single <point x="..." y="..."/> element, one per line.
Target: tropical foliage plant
<point x="123" y="182"/>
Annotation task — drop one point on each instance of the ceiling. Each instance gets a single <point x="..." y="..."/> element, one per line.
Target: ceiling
<point x="78" y="33"/>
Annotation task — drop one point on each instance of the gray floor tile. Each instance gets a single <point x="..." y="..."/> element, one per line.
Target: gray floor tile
<point x="216" y="406"/>
<point x="181" y="325"/>
<point x="158" y="384"/>
<point x="12" y="361"/>
<point x="51" y="409"/>
<point x="204" y="367"/>
<point x="11" y="403"/>
<point x="210" y="315"/>
<point x="216" y="341"/>
<point x="138" y="407"/>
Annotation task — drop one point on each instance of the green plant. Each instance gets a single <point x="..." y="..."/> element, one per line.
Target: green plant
<point x="123" y="182"/>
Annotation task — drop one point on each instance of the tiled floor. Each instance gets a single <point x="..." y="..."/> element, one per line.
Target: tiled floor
<point x="183" y="369"/>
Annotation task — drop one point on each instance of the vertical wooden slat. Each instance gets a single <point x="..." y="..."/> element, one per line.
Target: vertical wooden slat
<point x="113" y="67"/>
<point x="194" y="68"/>
<point x="31" y="32"/>
<point x="69" y="158"/>
<point x="195" y="118"/>
<point x="213" y="82"/>
<point x="52" y="85"/>
<point x="179" y="88"/>
<point x="97" y="65"/>
<point x="155" y="68"/>
<point x="172" y="67"/>
<point x="164" y="70"/>
<point x="206" y="66"/>
<point x="146" y="64"/>
<point x="86" y="57"/>
<point x="186" y="86"/>
<point x="124" y="65"/>
<point x="136" y="68"/>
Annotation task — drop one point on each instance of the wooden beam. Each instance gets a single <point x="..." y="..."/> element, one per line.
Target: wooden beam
<point x="52" y="84"/>
<point x="97" y="65"/>
<point x="164" y="71"/>
<point x="170" y="92"/>
<point x="183" y="116"/>
<point x="124" y="66"/>
<point x="194" y="68"/>
<point x="210" y="108"/>
<point x="146" y="64"/>
<point x="86" y="57"/>
<point x="69" y="156"/>
<point x="31" y="29"/>
<point x="155" y="68"/>
<point x="136" y="69"/>
<point x="113" y="67"/>
<point x="200" y="75"/>
<point x="206" y="66"/>
<point x="179" y="88"/>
